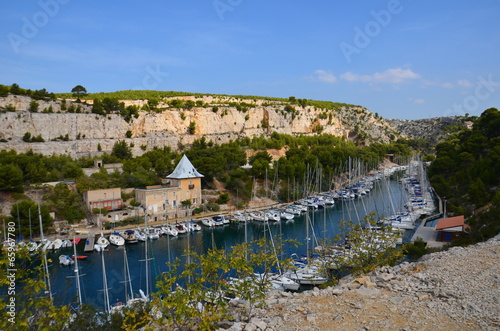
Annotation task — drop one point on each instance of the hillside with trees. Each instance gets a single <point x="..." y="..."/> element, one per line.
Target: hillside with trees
<point x="466" y="173"/>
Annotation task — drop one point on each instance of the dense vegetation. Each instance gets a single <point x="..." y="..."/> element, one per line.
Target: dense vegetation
<point x="466" y="172"/>
<point x="15" y="89"/>
<point x="323" y="157"/>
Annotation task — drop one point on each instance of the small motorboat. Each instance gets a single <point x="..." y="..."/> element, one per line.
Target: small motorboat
<point x="57" y="244"/>
<point x="65" y="260"/>
<point x="169" y="230"/>
<point x="181" y="228"/>
<point x="103" y="242"/>
<point x="194" y="226"/>
<point x="140" y="235"/>
<point x="67" y="243"/>
<point x="32" y="246"/>
<point x="208" y="222"/>
<point x="129" y="236"/>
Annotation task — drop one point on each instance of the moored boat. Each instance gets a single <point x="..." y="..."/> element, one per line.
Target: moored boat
<point x="65" y="260"/>
<point x="129" y="236"/>
<point x="116" y="240"/>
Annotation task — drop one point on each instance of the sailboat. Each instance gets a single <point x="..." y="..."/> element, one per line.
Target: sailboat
<point x="101" y="244"/>
<point x="45" y="263"/>
<point x="77" y="278"/>
<point x="127" y="282"/>
<point x="107" y="308"/>
<point x="307" y="272"/>
<point x="280" y="279"/>
<point x="145" y="296"/>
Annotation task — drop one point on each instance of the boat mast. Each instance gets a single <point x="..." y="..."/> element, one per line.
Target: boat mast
<point x="126" y="276"/>
<point x="105" y="285"/>
<point x="146" y="252"/>
<point x="77" y="276"/>
<point x="45" y="262"/>
<point x="307" y="234"/>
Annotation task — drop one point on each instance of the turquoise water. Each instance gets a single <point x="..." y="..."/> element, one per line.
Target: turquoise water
<point x="325" y="224"/>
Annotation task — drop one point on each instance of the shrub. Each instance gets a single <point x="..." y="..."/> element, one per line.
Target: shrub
<point x="223" y="199"/>
<point x="192" y="127"/>
<point x="34" y="106"/>
<point x="27" y="137"/>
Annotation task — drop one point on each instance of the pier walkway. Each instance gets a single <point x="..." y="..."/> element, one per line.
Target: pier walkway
<point x="89" y="243"/>
<point x="428" y="233"/>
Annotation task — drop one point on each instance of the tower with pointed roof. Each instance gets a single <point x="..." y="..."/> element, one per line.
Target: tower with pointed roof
<point x="188" y="180"/>
<point x="184" y="183"/>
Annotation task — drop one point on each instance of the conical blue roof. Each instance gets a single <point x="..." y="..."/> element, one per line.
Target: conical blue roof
<point x="184" y="169"/>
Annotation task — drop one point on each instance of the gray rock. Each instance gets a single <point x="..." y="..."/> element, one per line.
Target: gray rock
<point x="353" y="286"/>
<point x="258" y="323"/>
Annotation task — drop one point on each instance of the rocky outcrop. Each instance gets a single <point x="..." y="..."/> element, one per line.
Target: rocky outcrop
<point x="458" y="289"/>
<point x="170" y="126"/>
<point x="431" y="129"/>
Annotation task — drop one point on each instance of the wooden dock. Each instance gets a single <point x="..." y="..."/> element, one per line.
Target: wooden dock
<point x="89" y="243"/>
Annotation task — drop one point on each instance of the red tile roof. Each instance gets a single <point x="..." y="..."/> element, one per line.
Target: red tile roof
<point x="450" y="222"/>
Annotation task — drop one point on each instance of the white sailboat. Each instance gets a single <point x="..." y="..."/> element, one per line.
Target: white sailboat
<point x="116" y="239"/>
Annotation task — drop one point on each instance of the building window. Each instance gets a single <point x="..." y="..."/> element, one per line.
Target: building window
<point x="194" y="201"/>
<point x="174" y="203"/>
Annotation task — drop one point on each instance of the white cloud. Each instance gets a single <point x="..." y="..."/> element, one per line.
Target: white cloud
<point x="394" y="76"/>
<point x="325" y="76"/>
<point x="459" y="83"/>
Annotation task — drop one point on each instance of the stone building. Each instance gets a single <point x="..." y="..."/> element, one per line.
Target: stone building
<point x="161" y="202"/>
<point x="109" y="199"/>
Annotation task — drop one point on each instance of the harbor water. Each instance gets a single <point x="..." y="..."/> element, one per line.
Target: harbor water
<point x="386" y="198"/>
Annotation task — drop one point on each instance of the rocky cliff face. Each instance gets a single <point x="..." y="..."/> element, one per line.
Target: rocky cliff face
<point x="430" y="129"/>
<point x="170" y="126"/>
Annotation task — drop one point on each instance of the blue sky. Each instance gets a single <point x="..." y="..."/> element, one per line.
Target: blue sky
<point x="403" y="59"/>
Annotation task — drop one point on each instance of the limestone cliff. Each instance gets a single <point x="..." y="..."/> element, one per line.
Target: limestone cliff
<point x="83" y="130"/>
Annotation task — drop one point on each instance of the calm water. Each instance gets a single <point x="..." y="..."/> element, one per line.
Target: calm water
<point x="325" y="223"/>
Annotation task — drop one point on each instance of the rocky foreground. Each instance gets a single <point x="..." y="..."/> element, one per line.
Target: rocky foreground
<point x="456" y="289"/>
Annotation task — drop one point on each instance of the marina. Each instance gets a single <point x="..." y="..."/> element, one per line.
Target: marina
<point x="149" y="258"/>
